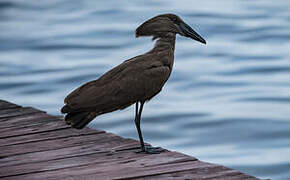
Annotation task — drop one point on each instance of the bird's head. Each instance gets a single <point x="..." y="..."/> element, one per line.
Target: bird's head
<point x="159" y="26"/>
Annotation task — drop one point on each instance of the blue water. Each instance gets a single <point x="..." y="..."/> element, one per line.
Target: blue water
<point x="227" y="102"/>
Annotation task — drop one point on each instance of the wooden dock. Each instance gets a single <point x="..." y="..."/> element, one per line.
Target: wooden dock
<point x="35" y="145"/>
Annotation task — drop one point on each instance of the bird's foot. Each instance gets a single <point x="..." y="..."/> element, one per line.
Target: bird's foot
<point x="151" y="150"/>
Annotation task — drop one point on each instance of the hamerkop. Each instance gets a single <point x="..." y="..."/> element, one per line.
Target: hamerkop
<point x="134" y="81"/>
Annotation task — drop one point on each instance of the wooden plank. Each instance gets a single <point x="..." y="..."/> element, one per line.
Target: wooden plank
<point x="103" y="145"/>
<point x="17" y="112"/>
<point x="170" y="168"/>
<point x="44" y="127"/>
<point x="28" y="120"/>
<point x="121" y="157"/>
<point x="219" y="172"/>
<point x="24" y="120"/>
<point x="75" y="161"/>
<point x="52" y="144"/>
<point x="116" y="170"/>
<point x="45" y="135"/>
<point x="7" y="105"/>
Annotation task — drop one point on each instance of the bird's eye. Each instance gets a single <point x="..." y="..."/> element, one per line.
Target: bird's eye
<point x="174" y="19"/>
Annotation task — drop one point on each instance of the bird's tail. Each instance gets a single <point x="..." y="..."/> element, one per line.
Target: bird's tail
<point x="79" y="120"/>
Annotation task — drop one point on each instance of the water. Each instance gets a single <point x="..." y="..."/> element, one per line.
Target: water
<point x="226" y="102"/>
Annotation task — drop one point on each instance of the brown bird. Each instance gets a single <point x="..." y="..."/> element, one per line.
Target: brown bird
<point x="134" y="81"/>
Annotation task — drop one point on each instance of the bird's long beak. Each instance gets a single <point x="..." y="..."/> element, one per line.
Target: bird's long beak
<point x="189" y="32"/>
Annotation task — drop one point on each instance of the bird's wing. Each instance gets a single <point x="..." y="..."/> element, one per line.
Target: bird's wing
<point x="120" y="87"/>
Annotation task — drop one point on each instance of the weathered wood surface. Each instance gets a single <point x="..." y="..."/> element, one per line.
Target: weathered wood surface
<point x="35" y="145"/>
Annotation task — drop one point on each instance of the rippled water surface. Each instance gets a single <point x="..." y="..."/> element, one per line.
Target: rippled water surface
<point x="227" y="102"/>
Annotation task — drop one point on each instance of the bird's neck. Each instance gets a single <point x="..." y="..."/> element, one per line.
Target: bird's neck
<point x="165" y="43"/>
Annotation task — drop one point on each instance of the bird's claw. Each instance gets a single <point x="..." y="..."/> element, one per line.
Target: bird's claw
<point x="151" y="150"/>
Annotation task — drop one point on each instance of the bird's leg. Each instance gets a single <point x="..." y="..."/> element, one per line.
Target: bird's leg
<point x="137" y="123"/>
<point x="144" y="149"/>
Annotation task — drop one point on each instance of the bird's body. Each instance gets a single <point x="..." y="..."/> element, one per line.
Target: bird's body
<point x="135" y="80"/>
